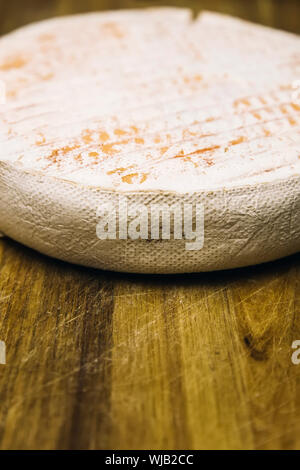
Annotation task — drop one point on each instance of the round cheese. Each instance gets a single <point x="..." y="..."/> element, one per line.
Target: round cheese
<point x="149" y="141"/>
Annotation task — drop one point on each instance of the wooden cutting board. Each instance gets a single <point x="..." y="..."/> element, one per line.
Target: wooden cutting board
<point x="105" y="360"/>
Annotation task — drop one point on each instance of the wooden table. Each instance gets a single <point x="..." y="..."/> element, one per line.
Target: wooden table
<point x="102" y="360"/>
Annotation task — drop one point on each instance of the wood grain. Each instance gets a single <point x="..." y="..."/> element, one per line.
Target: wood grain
<point x="99" y="360"/>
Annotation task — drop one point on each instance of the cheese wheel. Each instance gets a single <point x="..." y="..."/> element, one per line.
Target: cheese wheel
<point x="148" y="141"/>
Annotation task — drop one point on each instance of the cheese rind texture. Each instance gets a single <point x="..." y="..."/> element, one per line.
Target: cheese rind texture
<point x="161" y="109"/>
<point x="243" y="226"/>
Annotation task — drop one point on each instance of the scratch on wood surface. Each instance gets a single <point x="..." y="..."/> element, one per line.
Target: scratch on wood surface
<point x="102" y="360"/>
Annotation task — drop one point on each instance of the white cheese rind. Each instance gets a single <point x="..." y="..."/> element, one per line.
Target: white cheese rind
<point x="214" y="122"/>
